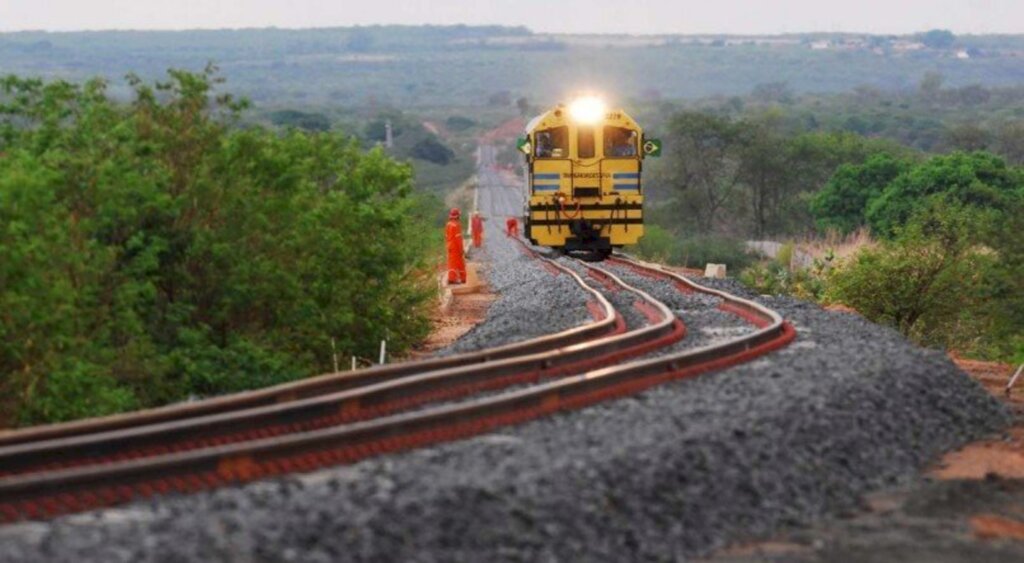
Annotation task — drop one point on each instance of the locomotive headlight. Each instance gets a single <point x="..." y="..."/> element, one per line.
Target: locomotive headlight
<point x="588" y="109"/>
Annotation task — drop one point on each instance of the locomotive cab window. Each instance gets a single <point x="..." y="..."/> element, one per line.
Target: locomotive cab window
<point x="585" y="142"/>
<point x="619" y="141"/>
<point x="552" y="143"/>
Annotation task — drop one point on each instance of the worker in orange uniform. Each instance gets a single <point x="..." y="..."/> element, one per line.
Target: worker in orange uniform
<point x="512" y="227"/>
<point x="476" y="227"/>
<point x="456" y="252"/>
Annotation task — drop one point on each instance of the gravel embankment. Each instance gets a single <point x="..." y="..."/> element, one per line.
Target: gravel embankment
<point x="705" y="323"/>
<point x="623" y="300"/>
<point x="674" y="472"/>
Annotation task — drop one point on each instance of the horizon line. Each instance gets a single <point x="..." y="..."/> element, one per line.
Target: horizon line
<point x="508" y="26"/>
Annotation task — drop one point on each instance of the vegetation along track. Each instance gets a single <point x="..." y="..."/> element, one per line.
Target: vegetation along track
<point x="378" y="398"/>
<point x="87" y="470"/>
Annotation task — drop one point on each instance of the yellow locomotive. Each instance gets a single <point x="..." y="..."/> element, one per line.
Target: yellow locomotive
<point x="584" y="189"/>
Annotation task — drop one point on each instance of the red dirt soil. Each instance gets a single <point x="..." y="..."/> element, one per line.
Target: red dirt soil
<point x="1003" y="456"/>
<point x="462" y="314"/>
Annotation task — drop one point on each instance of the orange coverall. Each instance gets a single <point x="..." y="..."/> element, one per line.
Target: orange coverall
<point x="456" y="257"/>
<point x="477" y="228"/>
<point x="512" y="227"/>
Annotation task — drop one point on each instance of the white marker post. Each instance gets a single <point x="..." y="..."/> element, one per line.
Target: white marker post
<point x="1009" y="386"/>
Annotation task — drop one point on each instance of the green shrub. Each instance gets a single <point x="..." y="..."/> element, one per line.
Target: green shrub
<point x="931" y="282"/>
<point x="242" y="364"/>
<point x="772" y="278"/>
<point x="657" y="244"/>
<point x="784" y="258"/>
<point x="842" y="203"/>
<point x="979" y="180"/>
<point x="698" y="251"/>
<point x="662" y="245"/>
<point x="302" y="120"/>
<point x="75" y="390"/>
<point x="152" y="251"/>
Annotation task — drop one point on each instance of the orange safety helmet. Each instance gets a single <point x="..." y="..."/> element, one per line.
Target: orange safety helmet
<point x="454" y="213"/>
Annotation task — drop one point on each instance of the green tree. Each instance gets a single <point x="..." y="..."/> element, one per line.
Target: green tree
<point x="431" y="148"/>
<point x="769" y="92"/>
<point x="931" y="282"/>
<point x="938" y="38"/>
<point x="764" y="172"/>
<point x="967" y="137"/>
<point x="931" y="85"/>
<point x="842" y="203"/>
<point x="1010" y="142"/>
<point x="704" y="165"/>
<point x="977" y="179"/>
<point x="152" y="250"/>
<point x="308" y="121"/>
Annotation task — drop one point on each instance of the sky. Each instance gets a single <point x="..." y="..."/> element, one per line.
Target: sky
<point x="555" y="16"/>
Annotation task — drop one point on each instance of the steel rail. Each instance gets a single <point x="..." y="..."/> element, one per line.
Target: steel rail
<point x="605" y="324"/>
<point x="355" y="404"/>
<point x="54" y="492"/>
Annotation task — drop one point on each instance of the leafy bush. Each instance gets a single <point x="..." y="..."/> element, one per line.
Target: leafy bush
<point x="784" y="258"/>
<point x="979" y="180"/>
<point x="698" y="251"/>
<point x="938" y="38"/>
<point x="931" y="282"/>
<point x="301" y="120"/>
<point x="662" y="245"/>
<point x="657" y="244"/>
<point x="76" y="390"/>
<point x="774" y="277"/>
<point x="842" y="203"/>
<point x="151" y="251"/>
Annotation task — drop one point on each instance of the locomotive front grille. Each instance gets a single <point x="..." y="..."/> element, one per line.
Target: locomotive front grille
<point x="586" y="192"/>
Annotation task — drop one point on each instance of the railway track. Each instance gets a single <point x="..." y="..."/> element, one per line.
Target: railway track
<point x="605" y="323"/>
<point x="53" y="458"/>
<point x="378" y="397"/>
<point x="342" y="418"/>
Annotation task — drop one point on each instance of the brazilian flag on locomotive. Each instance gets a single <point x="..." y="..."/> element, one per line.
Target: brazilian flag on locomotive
<point x="584" y="177"/>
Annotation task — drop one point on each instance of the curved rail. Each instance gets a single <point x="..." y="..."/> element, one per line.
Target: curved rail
<point x="83" y="487"/>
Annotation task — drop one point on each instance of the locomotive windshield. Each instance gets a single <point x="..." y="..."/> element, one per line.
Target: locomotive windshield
<point x="585" y="142"/>
<point x="619" y="141"/>
<point x="552" y="143"/>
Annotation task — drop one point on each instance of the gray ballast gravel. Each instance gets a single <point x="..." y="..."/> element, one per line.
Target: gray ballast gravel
<point x="623" y="300"/>
<point x="705" y="323"/>
<point x="671" y="473"/>
<point x="531" y="301"/>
